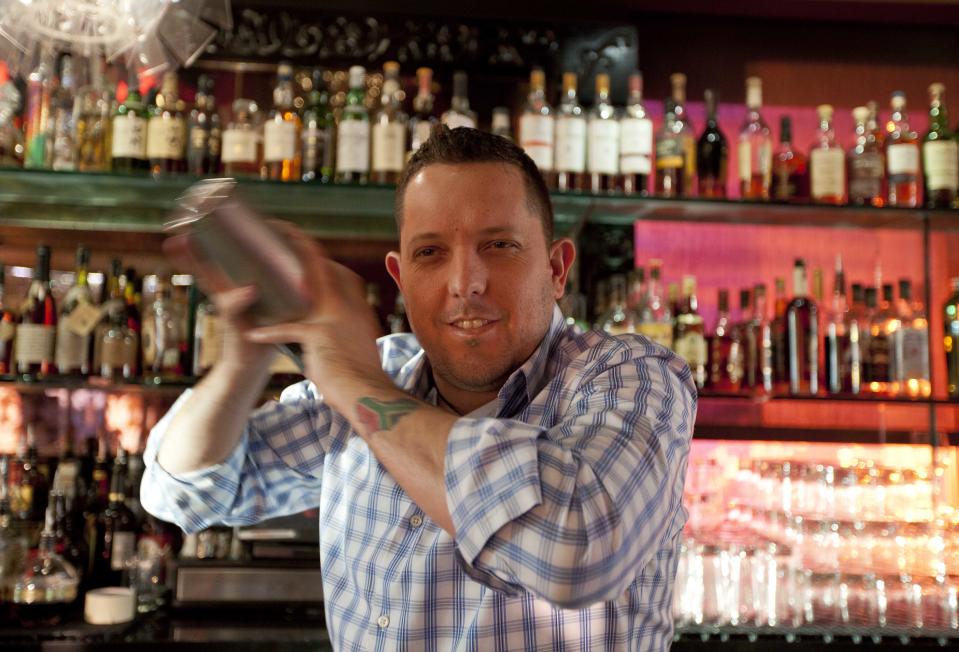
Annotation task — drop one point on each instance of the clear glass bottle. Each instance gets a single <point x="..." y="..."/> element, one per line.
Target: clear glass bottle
<point x="37" y="330"/>
<point x="423" y="121"/>
<point x="950" y="320"/>
<point x="689" y="337"/>
<point x="128" y="142"/>
<point x="758" y="346"/>
<point x="242" y="148"/>
<point x="570" y="160"/>
<point x="166" y="130"/>
<point x="755" y="146"/>
<point x="866" y="165"/>
<point x="687" y="133"/>
<point x="204" y="143"/>
<point x="911" y="346"/>
<point x="460" y="114"/>
<point x="390" y="126"/>
<point x="78" y="317"/>
<point x="827" y="162"/>
<point x="11" y="137"/>
<point x="712" y="153"/>
<point x="670" y="156"/>
<point x="725" y="362"/>
<point x="38" y="122"/>
<point x="902" y="156"/>
<point x="501" y="125"/>
<point x="536" y="126"/>
<point x="282" y="147"/>
<point x="319" y="132"/>
<point x="790" y="174"/>
<point x="111" y="305"/>
<point x="207" y="338"/>
<point x="617" y="319"/>
<point x="940" y="154"/>
<point x="63" y="103"/>
<point x="94" y="103"/>
<point x="602" y="152"/>
<point x="802" y="336"/>
<point x="635" y="141"/>
<point x="353" y="133"/>
<point x="162" y="337"/>
<point x="48" y="585"/>
<point x="656" y="317"/>
<point x="842" y="357"/>
<point x="8" y="328"/>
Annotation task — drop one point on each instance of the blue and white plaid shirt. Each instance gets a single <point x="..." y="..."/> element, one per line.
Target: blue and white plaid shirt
<point x="567" y="503"/>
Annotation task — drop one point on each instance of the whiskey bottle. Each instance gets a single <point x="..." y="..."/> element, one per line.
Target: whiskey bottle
<point x="712" y="153"/>
<point x="32" y="488"/>
<point x="883" y="324"/>
<point x="37" y="330"/>
<point x="242" y="147"/>
<point x="758" y="347"/>
<point x="790" y="174"/>
<point x="570" y="162"/>
<point x="802" y="336"/>
<point x="902" y="156"/>
<point x="502" y="123"/>
<point x="843" y="365"/>
<point x="111" y="310"/>
<point x="116" y="530"/>
<point x="423" y="121"/>
<point x="282" y="153"/>
<point x="636" y="141"/>
<point x="670" y="156"/>
<point x="8" y="329"/>
<point x="459" y="114"/>
<point x="94" y="102"/>
<point x="755" y="146"/>
<point x="353" y="133"/>
<point x="207" y="339"/>
<point x="656" y="316"/>
<point x="78" y="317"/>
<point x="618" y="319"/>
<point x="686" y="132"/>
<point x="689" y="337"/>
<point x="204" y="142"/>
<point x="950" y="320"/>
<point x="38" y="118"/>
<point x="536" y="126"/>
<point x="128" y="144"/>
<point x="725" y="364"/>
<point x="602" y="152"/>
<point x="319" y="132"/>
<point x="68" y="542"/>
<point x="166" y="130"/>
<point x="866" y="164"/>
<point x="827" y="163"/>
<point x="161" y="337"/>
<point x="940" y="154"/>
<point x="62" y="102"/>
<point x="390" y="126"/>
<point x="911" y="347"/>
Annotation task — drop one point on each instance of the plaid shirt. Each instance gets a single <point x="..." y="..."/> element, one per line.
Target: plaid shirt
<point x="567" y="503"/>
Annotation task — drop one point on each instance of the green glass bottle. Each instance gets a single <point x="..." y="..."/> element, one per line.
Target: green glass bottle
<point x="129" y="142"/>
<point x="950" y="320"/>
<point x="319" y="131"/>
<point x="353" y="133"/>
<point x="940" y="153"/>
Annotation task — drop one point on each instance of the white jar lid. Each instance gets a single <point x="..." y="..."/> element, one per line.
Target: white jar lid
<point x="109" y="605"/>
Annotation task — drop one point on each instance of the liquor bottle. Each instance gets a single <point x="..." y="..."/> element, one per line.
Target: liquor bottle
<point x="78" y="317"/>
<point x="166" y="130"/>
<point x="95" y="500"/>
<point x="570" y="160"/>
<point x="802" y="336"/>
<point x="635" y="141"/>
<point x="37" y="330"/>
<point x="827" y="163"/>
<point x="790" y="180"/>
<point x="48" y="586"/>
<point x="132" y="286"/>
<point x="689" y="336"/>
<point x="712" y="153"/>
<point x="161" y="337"/>
<point x="911" y="346"/>
<point x="32" y="489"/>
<point x="94" y="102"/>
<point x="68" y="542"/>
<point x="424" y="121"/>
<point x="656" y="317"/>
<point x="636" y="290"/>
<point x="602" y="152"/>
<point x="883" y="324"/>
<point x="950" y="320"/>
<point x="617" y="319"/>
<point x="38" y="118"/>
<point x="670" y="156"/>
<point x="843" y="359"/>
<point x="780" y="346"/>
<point x="902" y="156"/>
<point x="8" y="329"/>
<point x="319" y="132"/>
<point x="111" y="309"/>
<point x="204" y="143"/>
<point x="687" y="133"/>
<point x="353" y="133"/>
<point x="940" y="154"/>
<point x="282" y="153"/>
<point x="207" y="339"/>
<point x="62" y="103"/>
<point x="459" y="114"/>
<point x="758" y="347"/>
<point x="13" y="542"/>
<point x="397" y="320"/>
<point x="390" y="126"/>
<point x="866" y="165"/>
<point x="725" y="363"/>
<point x="501" y="125"/>
<point x="128" y="144"/>
<point x="242" y="147"/>
<point x="536" y="130"/>
<point x="755" y="146"/>
<point x="11" y="136"/>
<point x="116" y="530"/>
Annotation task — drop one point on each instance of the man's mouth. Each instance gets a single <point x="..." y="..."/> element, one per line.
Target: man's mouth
<point x="468" y="324"/>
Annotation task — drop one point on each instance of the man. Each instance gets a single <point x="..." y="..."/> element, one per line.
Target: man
<point x="498" y="482"/>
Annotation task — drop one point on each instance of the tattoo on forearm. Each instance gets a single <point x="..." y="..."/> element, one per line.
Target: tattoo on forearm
<point x="378" y="415"/>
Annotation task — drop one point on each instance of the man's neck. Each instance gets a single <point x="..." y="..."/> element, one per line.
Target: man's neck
<point x="461" y="401"/>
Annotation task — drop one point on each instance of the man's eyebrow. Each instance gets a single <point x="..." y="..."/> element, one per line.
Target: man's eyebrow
<point x="488" y="231"/>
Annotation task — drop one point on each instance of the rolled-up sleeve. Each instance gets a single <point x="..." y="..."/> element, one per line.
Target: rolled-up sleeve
<point x="572" y="512"/>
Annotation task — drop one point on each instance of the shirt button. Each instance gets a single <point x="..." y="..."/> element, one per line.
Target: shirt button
<point x="416" y="520"/>
<point x="383" y="622"/>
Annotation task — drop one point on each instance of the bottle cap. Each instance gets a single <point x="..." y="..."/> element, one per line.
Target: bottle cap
<point x="357" y="76"/>
<point x="569" y="82"/>
<point x="825" y="112"/>
<point x="602" y="83"/>
<point x="897" y="100"/>
<point x="109" y="606"/>
<point x="537" y="78"/>
<point x="501" y="118"/>
<point x="636" y="83"/>
<point x="937" y="89"/>
<point x="860" y="114"/>
<point x="754" y="92"/>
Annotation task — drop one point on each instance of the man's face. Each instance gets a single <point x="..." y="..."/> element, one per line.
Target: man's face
<point x="476" y="272"/>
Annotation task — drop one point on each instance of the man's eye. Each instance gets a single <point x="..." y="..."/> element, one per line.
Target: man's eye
<point x="503" y="244"/>
<point x="424" y="252"/>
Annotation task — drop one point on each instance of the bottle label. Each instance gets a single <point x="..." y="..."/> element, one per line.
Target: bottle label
<point x="199" y="138"/>
<point x="454" y="120"/>
<point x="279" y="141"/>
<point x="879" y="358"/>
<point x="912" y="361"/>
<point x="659" y="332"/>
<point x="636" y="146"/>
<point x="129" y="137"/>
<point x="754" y="160"/>
<point x="35" y="343"/>
<point x="827" y="173"/>
<point x="353" y="146"/>
<point x="239" y="146"/>
<point x="669" y="154"/>
<point x="603" y="157"/>
<point x="536" y="138"/>
<point x="165" y="138"/>
<point x="865" y="176"/>
<point x="940" y="160"/>
<point x="122" y="550"/>
<point x="71" y="349"/>
<point x="389" y="146"/>
<point x="421" y="133"/>
<point x="7" y="330"/>
<point x="902" y="159"/>
<point x="692" y="348"/>
<point x="571" y="144"/>
<point x="112" y="356"/>
<point x="315" y="143"/>
<point x="83" y="318"/>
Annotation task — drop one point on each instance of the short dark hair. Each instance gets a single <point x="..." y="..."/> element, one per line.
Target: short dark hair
<point x="465" y="145"/>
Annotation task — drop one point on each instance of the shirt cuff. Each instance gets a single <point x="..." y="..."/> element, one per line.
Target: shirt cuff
<point x="492" y="478"/>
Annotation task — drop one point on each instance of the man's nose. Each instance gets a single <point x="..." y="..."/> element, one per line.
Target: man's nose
<point x="468" y="275"/>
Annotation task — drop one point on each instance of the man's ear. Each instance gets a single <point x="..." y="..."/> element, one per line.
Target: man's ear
<point x="393" y="268"/>
<point x="561" y="257"/>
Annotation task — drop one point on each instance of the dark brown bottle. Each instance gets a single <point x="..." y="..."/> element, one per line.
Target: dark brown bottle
<point x="116" y="530"/>
<point x="8" y="329"/>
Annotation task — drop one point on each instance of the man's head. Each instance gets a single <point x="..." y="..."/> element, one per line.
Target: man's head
<point x="479" y="277"/>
